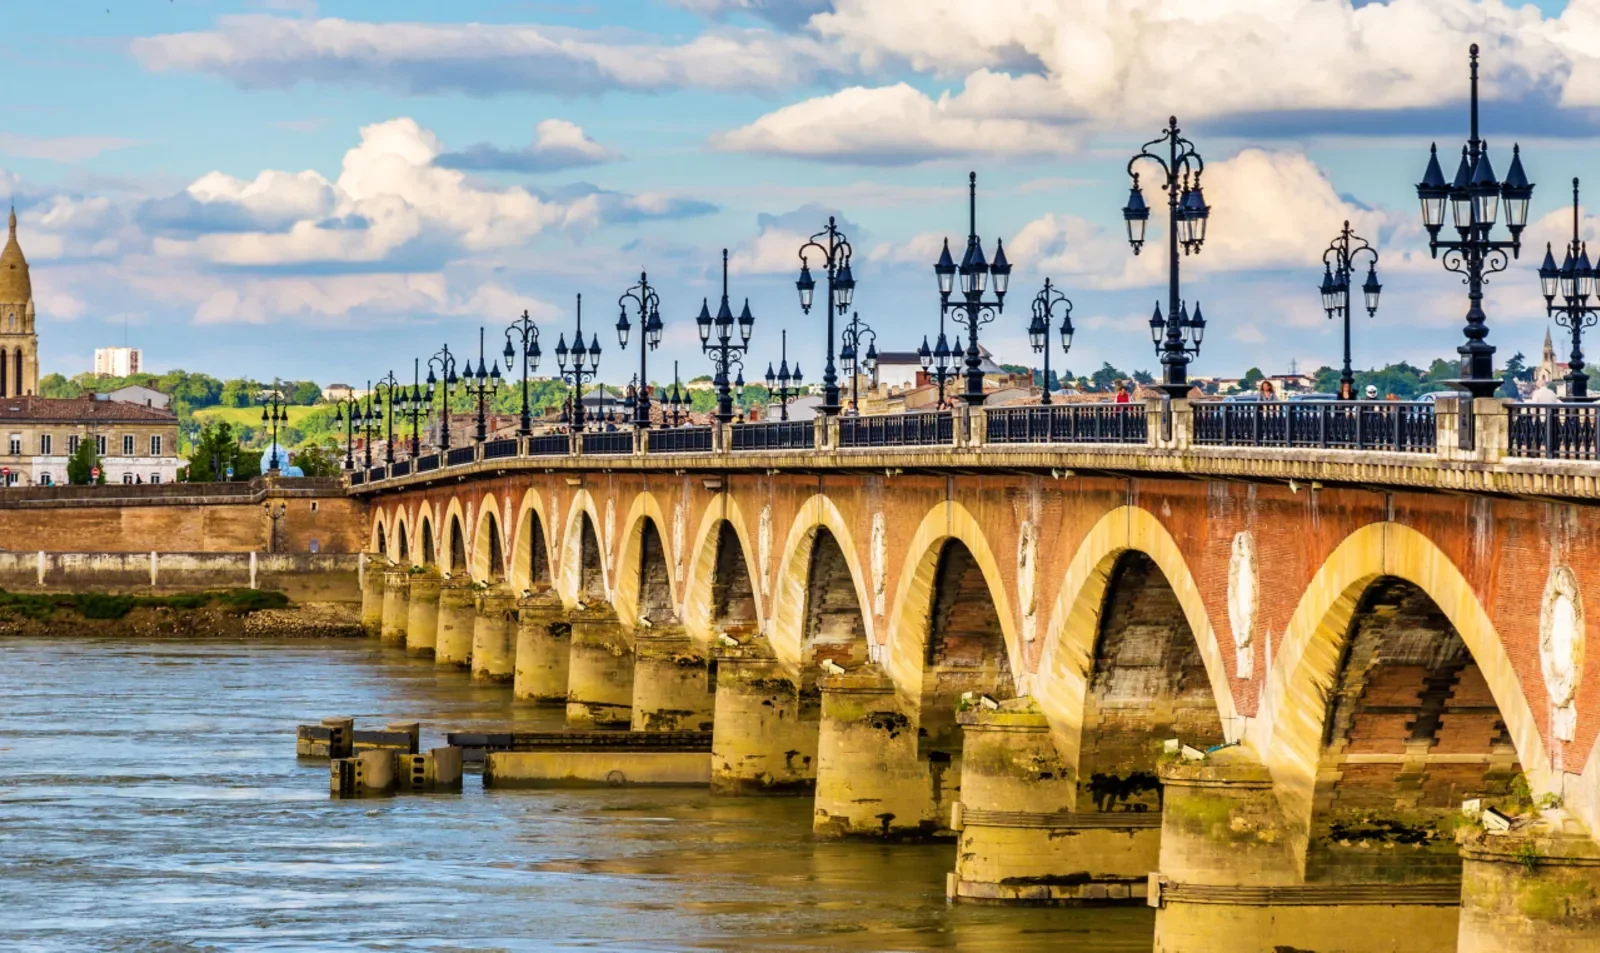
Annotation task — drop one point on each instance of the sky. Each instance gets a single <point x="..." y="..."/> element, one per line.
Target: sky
<point x="330" y="189"/>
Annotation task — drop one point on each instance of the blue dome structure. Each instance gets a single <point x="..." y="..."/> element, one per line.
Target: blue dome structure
<point x="283" y="460"/>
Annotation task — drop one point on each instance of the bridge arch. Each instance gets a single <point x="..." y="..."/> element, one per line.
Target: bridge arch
<point x="427" y="538"/>
<point x="530" y="556"/>
<point x="792" y="584"/>
<point x="1062" y="680"/>
<point x="584" y="573"/>
<point x="453" y="557"/>
<point x="489" y="543"/>
<point x="721" y="560"/>
<point x="380" y="532"/>
<point x="1290" y="732"/>
<point x="402" y="539"/>
<point x="645" y="584"/>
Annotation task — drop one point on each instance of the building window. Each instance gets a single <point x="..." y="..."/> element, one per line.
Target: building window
<point x="155" y="445"/>
<point x="127" y="444"/>
<point x="155" y="478"/>
<point x="100" y="444"/>
<point x="45" y="480"/>
<point x="16" y="445"/>
<point x="46" y="444"/>
<point x="72" y="443"/>
<point x="127" y="478"/>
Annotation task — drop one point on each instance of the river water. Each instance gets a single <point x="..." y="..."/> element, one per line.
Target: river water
<point x="150" y="801"/>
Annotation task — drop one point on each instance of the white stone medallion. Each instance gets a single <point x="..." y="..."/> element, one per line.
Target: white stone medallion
<point x="1244" y="596"/>
<point x="1027" y="561"/>
<point x="764" y="547"/>
<point x="1561" y="649"/>
<point x="880" y="561"/>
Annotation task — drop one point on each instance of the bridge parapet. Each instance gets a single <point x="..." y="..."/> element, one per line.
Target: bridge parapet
<point x="1487" y="446"/>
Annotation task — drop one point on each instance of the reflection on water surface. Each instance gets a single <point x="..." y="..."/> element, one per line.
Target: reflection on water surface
<point x="150" y="801"/>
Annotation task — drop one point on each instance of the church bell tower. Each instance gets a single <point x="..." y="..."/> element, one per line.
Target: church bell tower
<point x="19" y="342"/>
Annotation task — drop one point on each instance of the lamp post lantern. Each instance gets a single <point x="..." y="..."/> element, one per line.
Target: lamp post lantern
<point x="1176" y="336"/>
<point x="571" y="362"/>
<point x="371" y="419"/>
<point x="835" y="250"/>
<point x="347" y="411"/>
<point x="676" y="402"/>
<point x="445" y="364"/>
<point x="522" y="338"/>
<point x="972" y="311"/>
<point x="1339" y="265"/>
<point x="414" y="405"/>
<point x="939" y="363"/>
<point x="1574" y="284"/>
<point x="1044" y="305"/>
<point x="854" y="359"/>
<point x="274" y="412"/>
<point x="726" y="354"/>
<point x="784" y="386"/>
<point x="648" y="303"/>
<point x="1474" y="198"/>
<point x="481" y="385"/>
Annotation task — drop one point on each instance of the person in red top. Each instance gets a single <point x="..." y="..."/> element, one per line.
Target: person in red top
<point x="1125" y="393"/>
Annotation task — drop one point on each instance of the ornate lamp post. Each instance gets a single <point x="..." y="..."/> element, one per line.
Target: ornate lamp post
<point x="1574" y="283"/>
<point x="1474" y="199"/>
<point x="676" y="402"/>
<point x="940" y="363"/>
<point x="785" y="384"/>
<point x="522" y="337"/>
<point x="1338" y="267"/>
<point x="414" y="405"/>
<point x="1177" y="337"/>
<point x="573" y="370"/>
<point x="648" y="303"/>
<point x="850" y="355"/>
<point x="347" y="411"/>
<point x="371" y="419"/>
<point x="481" y="386"/>
<point x="389" y="385"/>
<point x="1044" y="306"/>
<point x="445" y="363"/>
<point x="274" y="412"/>
<point x="841" y="291"/>
<point x="975" y="271"/>
<point x="726" y="355"/>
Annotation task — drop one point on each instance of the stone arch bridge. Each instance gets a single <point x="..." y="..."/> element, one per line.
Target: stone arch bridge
<point x="1003" y="639"/>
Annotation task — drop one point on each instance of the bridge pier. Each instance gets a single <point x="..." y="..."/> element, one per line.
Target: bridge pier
<point x="422" y="620"/>
<point x="1532" y="890"/>
<point x="764" y="734"/>
<point x="493" y="645"/>
<point x="1021" y="838"/>
<point x="871" y="781"/>
<point x="396" y="607"/>
<point x="1232" y="878"/>
<point x="372" y="590"/>
<point x="453" y="644"/>
<point x="600" y="673"/>
<point x="544" y="650"/>
<point x="672" y="688"/>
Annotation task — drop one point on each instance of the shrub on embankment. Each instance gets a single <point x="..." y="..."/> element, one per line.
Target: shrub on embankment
<point x="100" y="605"/>
<point x="215" y="614"/>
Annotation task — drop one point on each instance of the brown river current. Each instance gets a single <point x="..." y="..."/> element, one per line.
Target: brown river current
<point x="150" y="801"/>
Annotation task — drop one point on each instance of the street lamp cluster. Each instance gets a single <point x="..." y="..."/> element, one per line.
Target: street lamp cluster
<point x="972" y="293"/>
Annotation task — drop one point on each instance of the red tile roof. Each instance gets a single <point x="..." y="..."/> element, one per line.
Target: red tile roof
<point x="81" y="410"/>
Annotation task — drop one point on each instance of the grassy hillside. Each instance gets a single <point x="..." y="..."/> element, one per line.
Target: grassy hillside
<point x="247" y="416"/>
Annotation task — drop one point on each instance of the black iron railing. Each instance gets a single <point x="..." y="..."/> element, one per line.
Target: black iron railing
<point x="456" y="456"/>
<point x="400" y="468"/>
<point x="429" y="462"/>
<point x="1067" y="423"/>
<point x="680" y="440"/>
<point x="376" y="473"/>
<point x="498" y="449"/>
<point x="897" y="430"/>
<point x="775" y="435"/>
<point x="1401" y="426"/>
<point x="549" y="445"/>
<point x="1554" y="431"/>
<point x="613" y="441"/>
<point x="357" y="477"/>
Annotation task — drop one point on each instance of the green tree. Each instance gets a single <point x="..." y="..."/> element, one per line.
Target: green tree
<point x="55" y="385"/>
<point x="319" y="461"/>
<point x="1143" y="377"/>
<point x="1252" y="379"/>
<point x="304" y="393"/>
<point x="1326" y="380"/>
<point x="215" y="450"/>
<point x="237" y="393"/>
<point x="1106" y="377"/>
<point x="81" y="465"/>
<point x="1441" y="370"/>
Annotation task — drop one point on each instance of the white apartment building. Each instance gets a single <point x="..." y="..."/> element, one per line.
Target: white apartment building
<point x="118" y="361"/>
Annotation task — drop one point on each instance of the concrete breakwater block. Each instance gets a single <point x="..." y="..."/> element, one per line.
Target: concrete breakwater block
<point x="386" y="772"/>
<point x="338" y="738"/>
<point x="476" y="745"/>
<point x="596" y="768"/>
